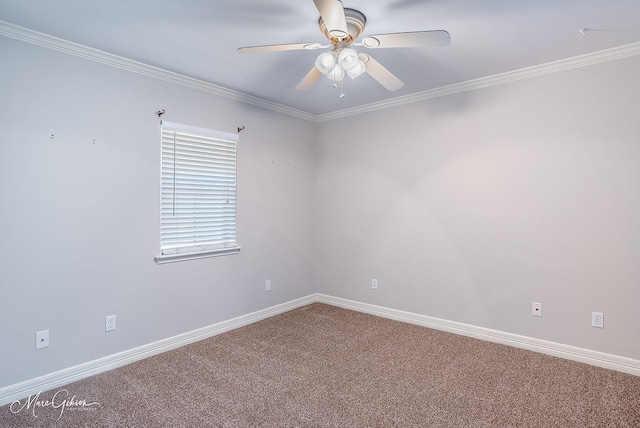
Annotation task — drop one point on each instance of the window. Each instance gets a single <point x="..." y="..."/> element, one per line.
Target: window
<point x="198" y="195"/>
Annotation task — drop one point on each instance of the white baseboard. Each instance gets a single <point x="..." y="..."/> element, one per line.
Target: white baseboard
<point x="63" y="377"/>
<point x="66" y="376"/>
<point x="595" y="358"/>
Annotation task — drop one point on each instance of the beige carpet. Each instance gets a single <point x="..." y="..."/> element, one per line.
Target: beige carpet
<point x="322" y="366"/>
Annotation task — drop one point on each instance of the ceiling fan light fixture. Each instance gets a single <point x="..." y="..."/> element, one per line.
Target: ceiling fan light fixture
<point x="337" y="74"/>
<point x="357" y="70"/>
<point x="326" y="62"/>
<point x="348" y="58"/>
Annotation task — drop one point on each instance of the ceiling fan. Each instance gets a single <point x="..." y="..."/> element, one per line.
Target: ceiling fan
<point x="342" y="26"/>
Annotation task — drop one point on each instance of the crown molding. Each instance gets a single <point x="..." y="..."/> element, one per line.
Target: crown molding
<point x="605" y="55"/>
<point x="50" y="42"/>
<point x="71" y="48"/>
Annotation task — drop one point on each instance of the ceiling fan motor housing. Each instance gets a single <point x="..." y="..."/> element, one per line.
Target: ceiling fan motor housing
<point x="356" y="21"/>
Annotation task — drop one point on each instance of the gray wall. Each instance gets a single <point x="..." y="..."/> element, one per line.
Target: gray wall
<point x="465" y="207"/>
<point x="471" y="206"/>
<point x="80" y="220"/>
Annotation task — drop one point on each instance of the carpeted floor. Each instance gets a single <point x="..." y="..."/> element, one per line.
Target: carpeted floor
<point x="322" y="366"/>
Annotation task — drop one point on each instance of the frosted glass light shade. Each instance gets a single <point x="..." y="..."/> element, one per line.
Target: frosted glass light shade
<point x="348" y="58"/>
<point x="357" y="70"/>
<point x="326" y="62"/>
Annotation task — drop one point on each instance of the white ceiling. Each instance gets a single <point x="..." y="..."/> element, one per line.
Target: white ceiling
<point x="199" y="38"/>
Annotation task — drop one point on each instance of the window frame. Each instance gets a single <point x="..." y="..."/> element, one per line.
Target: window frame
<point x="198" y="193"/>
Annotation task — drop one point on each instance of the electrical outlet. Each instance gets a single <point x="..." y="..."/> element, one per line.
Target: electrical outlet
<point x="536" y="309"/>
<point x="267" y="285"/>
<point x="110" y="323"/>
<point x="374" y="284"/>
<point x="597" y="319"/>
<point x="42" y="339"/>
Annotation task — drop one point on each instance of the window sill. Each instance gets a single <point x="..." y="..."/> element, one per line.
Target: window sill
<point x="181" y="257"/>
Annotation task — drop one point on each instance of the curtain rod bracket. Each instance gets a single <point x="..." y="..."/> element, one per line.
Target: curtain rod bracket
<point x="240" y="128"/>
<point x="160" y="112"/>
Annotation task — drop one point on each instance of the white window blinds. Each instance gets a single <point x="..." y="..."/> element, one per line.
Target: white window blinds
<point x="198" y="199"/>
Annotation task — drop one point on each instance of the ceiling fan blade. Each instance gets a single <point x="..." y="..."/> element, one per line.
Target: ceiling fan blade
<point x="309" y="80"/>
<point x="275" y="48"/>
<point x="332" y="13"/>
<point x="380" y="73"/>
<point x="434" y="38"/>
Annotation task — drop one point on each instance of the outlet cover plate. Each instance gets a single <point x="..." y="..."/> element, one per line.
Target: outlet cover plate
<point x="597" y="319"/>
<point x="42" y="339"/>
<point x="536" y="309"/>
<point x="110" y="323"/>
<point x="374" y="284"/>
